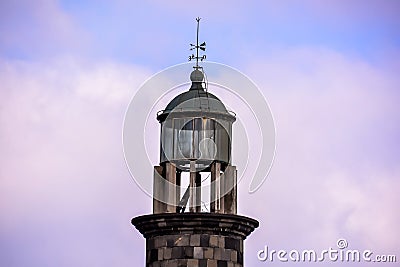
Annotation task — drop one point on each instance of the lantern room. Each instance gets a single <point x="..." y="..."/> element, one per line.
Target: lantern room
<point x="196" y="128"/>
<point x="195" y="142"/>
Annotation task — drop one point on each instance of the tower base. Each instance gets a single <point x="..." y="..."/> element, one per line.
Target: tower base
<point x="194" y="239"/>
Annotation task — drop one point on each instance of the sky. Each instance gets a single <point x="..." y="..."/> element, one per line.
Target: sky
<point x="68" y="70"/>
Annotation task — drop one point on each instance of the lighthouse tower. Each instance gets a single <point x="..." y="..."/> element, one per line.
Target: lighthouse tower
<point x="186" y="229"/>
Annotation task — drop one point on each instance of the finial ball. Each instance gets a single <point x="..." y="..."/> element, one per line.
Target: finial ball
<point x="196" y="76"/>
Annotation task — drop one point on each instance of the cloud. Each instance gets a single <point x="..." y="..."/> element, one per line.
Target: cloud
<point x="67" y="197"/>
<point x="336" y="167"/>
<point x="64" y="185"/>
<point x="65" y="192"/>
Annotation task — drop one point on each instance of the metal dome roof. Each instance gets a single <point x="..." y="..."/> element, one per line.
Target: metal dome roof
<point x="194" y="102"/>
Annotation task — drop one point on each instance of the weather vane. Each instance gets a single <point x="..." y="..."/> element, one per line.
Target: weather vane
<point x="197" y="47"/>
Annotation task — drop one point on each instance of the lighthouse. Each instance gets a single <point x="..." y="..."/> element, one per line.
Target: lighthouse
<point x="187" y="226"/>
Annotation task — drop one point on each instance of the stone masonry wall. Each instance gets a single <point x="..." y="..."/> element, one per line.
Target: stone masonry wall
<point x="194" y="250"/>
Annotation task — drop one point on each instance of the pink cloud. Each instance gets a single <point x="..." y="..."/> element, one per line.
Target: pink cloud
<point x="335" y="172"/>
<point x="64" y="185"/>
<point x="62" y="154"/>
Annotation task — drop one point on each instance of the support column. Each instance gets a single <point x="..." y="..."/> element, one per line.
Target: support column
<point x="159" y="205"/>
<point x="178" y="187"/>
<point x="170" y="176"/>
<point x="215" y="201"/>
<point x="195" y="189"/>
<point x="198" y="192"/>
<point x="229" y="179"/>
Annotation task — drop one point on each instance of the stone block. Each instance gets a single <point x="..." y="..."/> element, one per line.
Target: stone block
<point x="212" y="263"/>
<point x="193" y="263"/>
<point x="195" y="240"/>
<point x="171" y="240"/>
<point x="234" y="255"/>
<point x="159" y="242"/>
<point x="208" y="253"/>
<point x="232" y="243"/>
<point x="221" y="242"/>
<point x="178" y="253"/>
<point x="189" y="251"/>
<point x="198" y="253"/>
<point x="182" y="240"/>
<point x="182" y="263"/>
<point x="167" y="253"/>
<point x="160" y="254"/>
<point x="171" y="263"/>
<point x="202" y="263"/>
<point x="204" y="240"/>
<point x="218" y="253"/>
<point x="240" y="257"/>
<point x="213" y="241"/>
<point x="222" y="264"/>
<point x="226" y="255"/>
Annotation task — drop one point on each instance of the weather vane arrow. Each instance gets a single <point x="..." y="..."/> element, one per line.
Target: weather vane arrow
<point x="202" y="47"/>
